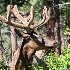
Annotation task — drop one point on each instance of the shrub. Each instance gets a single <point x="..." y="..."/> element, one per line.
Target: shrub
<point x="59" y="63"/>
<point x="3" y="66"/>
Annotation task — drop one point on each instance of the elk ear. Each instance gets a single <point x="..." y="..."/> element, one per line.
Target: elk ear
<point x="18" y="33"/>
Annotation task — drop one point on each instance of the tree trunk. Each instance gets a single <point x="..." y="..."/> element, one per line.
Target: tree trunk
<point x="57" y="29"/>
<point x="0" y="53"/>
<point x="13" y="36"/>
<point x="0" y="45"/>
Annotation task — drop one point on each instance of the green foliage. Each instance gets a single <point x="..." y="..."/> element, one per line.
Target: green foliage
<point x="59" y="63"/>
<point x="3" y="65"/>
<point x="65" y="14"/>
<point x="54" y="62"/>
<point x="4" y="4"/>
<point x="37" y="67"/>
<point x="67" y="31"/>
<point x="5" y="32"/>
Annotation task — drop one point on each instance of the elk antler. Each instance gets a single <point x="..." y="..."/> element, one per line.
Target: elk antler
<point x="46" y="17"/>
<point x="31" y="16"/>
<point x="11" y="23"/>
<point x="9" y="13"/>
<point x="26" y="21"/>
<point x="16" y="13"/>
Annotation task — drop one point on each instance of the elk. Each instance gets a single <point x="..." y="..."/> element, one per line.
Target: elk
<point x="31" y="42"/>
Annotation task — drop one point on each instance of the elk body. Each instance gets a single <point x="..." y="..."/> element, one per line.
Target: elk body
<point x="31" y="42"/>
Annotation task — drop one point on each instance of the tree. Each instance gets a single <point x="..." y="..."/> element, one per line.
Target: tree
<point x="57" y="24"/>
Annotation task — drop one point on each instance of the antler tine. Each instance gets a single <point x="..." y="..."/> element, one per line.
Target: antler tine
<point x="31" y="16"/>
<point x="47" y="14"/>
<point x="11" y="23"/>
<point x="9" y="13"/>
<point x="46" y="17"/>
<point x="26" y="21"/>
<point x="16" y="13"/>
<point x="41" y="21"/>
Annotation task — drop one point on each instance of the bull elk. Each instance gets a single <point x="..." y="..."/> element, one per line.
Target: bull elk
<point x="31" y="42"/>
